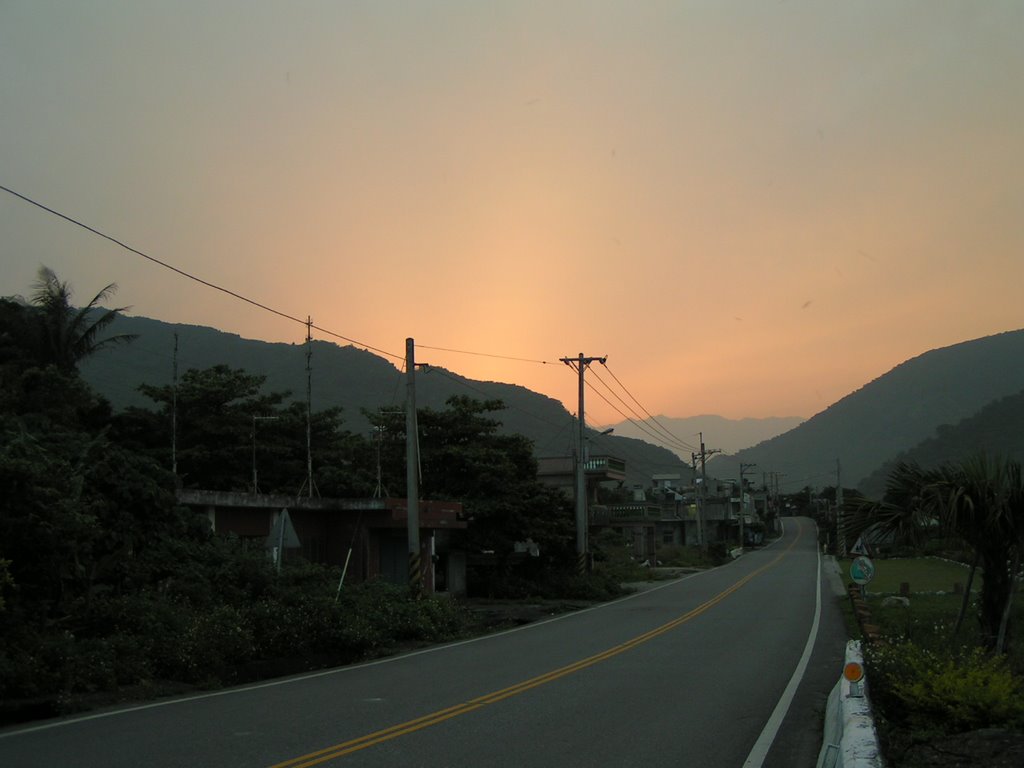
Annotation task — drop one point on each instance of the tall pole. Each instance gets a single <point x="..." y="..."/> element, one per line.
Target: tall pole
<point x="840" y="534"/>
<point x="704" y="453"/>
<point x="412" y="475"/>
<point x="174" y="414"/>
<point x="698" y="496"/>
<point x="255" y="482"/>
<point x="309" y="405"/>
<point x="743" y="505"/>
<point x="580" y="364"/>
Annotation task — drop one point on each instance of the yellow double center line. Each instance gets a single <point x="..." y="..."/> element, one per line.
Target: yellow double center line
<point x="440" y="716"/>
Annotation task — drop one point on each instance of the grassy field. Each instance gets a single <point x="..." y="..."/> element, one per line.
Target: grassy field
<point x="923" y="574"/>
<point x="931" y="616"/>
<point x="930" y="687"/>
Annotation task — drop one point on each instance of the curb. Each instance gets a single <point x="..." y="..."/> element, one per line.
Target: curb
<point x="850" y="738"/>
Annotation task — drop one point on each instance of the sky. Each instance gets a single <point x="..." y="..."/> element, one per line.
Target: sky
<point x="751" y="208"/>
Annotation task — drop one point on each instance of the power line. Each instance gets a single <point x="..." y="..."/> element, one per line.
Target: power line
<point x="507" y="406"/>
<point x="638" y="424"/>
<point x="329" y="332"/>
<point x="667" y="436"/>
<point x="190" y="276"/>
<point x="663" y="427"/>
<point x="485" y="354"/>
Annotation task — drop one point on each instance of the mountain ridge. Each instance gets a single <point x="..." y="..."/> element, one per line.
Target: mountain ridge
<point x="351" y="378"/>
<point x="892" y="413"/>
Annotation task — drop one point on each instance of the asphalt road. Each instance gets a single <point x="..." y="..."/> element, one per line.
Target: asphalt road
<point x="685" y="674"/>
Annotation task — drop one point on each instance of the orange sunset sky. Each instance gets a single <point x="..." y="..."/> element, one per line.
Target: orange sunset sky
<point x="752" y="208"/>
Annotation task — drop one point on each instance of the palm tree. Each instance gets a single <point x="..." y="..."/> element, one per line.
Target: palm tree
<point x="901" y="514"/>
<point x="981" y="501"/>
<point x="70" y="335"/>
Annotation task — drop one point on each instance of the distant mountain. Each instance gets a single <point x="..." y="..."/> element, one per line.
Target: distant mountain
<point x="891" y="414"/>
<point x="348" y="377"/>
<point x="997" y="429"/>
<point x="728" y="435"/>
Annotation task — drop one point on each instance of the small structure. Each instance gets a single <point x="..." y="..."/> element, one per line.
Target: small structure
<point x="372" y="530"/>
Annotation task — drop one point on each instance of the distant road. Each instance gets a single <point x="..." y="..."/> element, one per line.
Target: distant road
<point x="685" y="674"/>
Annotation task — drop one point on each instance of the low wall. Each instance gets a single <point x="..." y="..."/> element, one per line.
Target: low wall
<point x="850" y="739"/>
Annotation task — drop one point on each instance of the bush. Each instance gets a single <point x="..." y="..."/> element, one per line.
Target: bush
<point x="215" y="642"/>
<point x="952" y="691"/>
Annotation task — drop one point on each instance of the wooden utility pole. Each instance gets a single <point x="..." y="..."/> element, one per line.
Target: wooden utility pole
<point x="579" y="364"/>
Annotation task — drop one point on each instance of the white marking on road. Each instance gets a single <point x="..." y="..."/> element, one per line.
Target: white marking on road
<point x="336" y="670"/>
<point x="771" y="729"/>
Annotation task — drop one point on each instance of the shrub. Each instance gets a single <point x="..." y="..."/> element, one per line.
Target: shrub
<point x="946" y="690"/>
<point x="215" y="642"/>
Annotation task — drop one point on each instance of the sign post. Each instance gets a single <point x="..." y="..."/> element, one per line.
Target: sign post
<point x="862" y="571"/>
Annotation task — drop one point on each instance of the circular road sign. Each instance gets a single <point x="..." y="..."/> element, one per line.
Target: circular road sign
<point x="862" y="570"/>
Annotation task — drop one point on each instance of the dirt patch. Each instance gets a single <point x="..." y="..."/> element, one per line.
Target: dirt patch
<point x="497" y="615"/>
<point x="989" y="747"/>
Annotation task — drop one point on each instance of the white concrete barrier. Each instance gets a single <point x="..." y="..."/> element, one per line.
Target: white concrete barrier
<point x="850" y="739"/>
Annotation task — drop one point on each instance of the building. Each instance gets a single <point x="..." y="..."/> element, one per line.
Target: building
<point x="366" y="537"/>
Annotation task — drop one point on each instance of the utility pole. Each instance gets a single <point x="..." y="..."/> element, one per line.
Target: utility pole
<point x="697" y="495"/>
<point x="702" y="497"/>
<point x="579" y="364"/>
<point x="174" y="415"/>
<point x="840" y="534"/>
<point x="743" y="468"/>
<point x="412" y="477"/>
<point x="309" y="406"/>
<point x="255" y="480"/>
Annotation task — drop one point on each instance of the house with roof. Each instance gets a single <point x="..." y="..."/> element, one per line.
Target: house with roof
<point x="366" y="537"/>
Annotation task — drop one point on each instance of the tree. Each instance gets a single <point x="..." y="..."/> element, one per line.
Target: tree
<point x="68" y="335"/>
<point x="465" y="458"/>
<point x="215" y="420"/>
<point x="981" y="501"/>
<point x="218" y="410"/>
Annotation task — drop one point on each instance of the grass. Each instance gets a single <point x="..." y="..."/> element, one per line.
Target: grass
<point x="925" y="676"/>
<point x="931" y="616"/>
<point x="923" y="574"/>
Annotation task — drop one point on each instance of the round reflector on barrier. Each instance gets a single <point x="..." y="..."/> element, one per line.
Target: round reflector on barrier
<point x="853" y="672"/>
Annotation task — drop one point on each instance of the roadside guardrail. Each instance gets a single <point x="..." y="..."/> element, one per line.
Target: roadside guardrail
<point x="850" y="739"/>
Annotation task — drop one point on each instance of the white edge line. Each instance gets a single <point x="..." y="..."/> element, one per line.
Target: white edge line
<point x="764" y="742"/>
<point x="15" y="731"/>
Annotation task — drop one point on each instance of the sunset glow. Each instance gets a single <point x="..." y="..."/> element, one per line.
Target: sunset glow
<point x="751" y="209"/>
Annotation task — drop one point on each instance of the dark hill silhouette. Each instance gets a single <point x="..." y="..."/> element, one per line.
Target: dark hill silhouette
<point x="351" y="378"/>
<point x="997" y="429"/>
<point x="891" y="414"/>
<point x="729" y="434"/>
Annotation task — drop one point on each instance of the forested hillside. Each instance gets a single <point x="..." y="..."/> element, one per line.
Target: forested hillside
<point x="350" y="378"/>
<point x="997" y="429"/>
<point x="891" y="414"/>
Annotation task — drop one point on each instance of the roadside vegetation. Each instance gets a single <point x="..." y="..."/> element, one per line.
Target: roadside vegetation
<point x="108" y="588"/>
<point x="944" y="653"/>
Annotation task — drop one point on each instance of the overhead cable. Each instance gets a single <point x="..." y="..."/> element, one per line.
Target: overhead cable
<point x="190" y="276"/>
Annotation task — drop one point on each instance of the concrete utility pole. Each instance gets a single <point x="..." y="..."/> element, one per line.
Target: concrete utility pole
<point x="697" y="499"/>
<point x="743" y="468"/>
<point x="582" y="523"/>
<point x="412" y="466"/>
<point x="174" y="414"/>
<point x="702" y="496"/>
<point x="309" y="406"/>
<point x="255" y="481"/>
<point x="840" y="534"/>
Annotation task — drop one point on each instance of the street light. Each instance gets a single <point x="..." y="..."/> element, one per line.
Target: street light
<point x="608" y="431"/>
<point x="255" y="485"/>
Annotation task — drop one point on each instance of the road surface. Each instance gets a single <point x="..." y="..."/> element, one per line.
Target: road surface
<point x="688" y="673"/>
